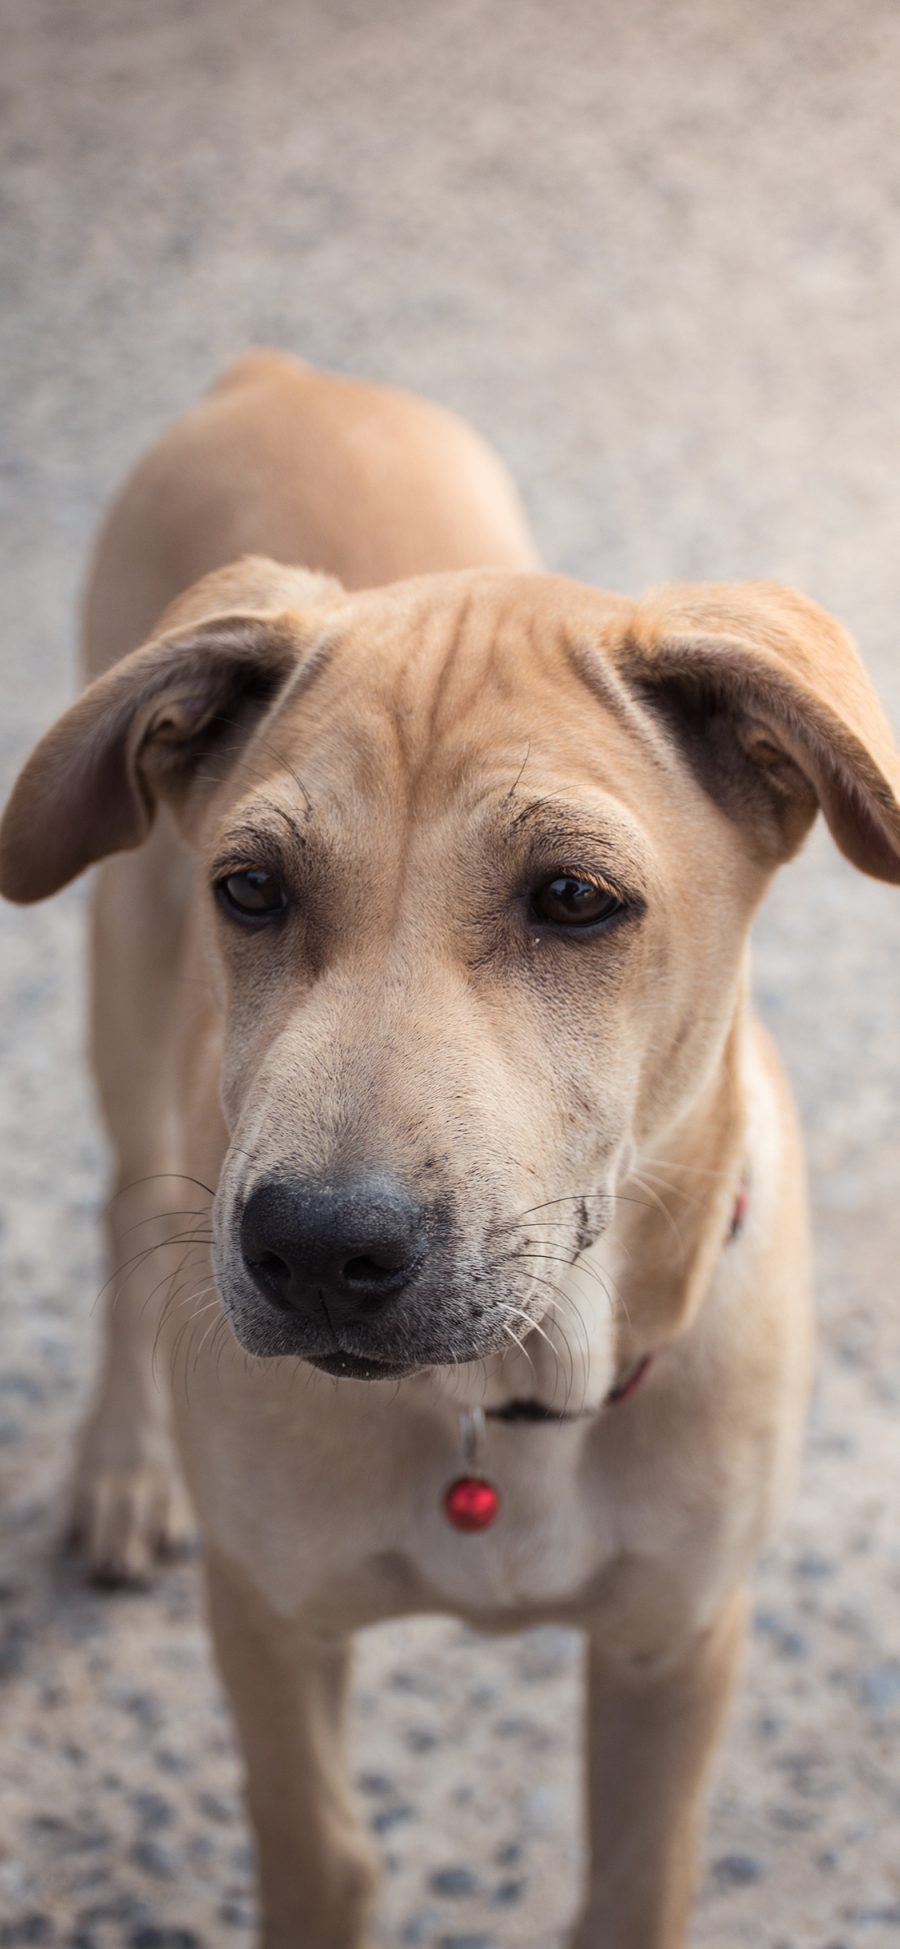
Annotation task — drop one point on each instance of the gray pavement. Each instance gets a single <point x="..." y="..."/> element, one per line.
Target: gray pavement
<point x="653" y="250"/>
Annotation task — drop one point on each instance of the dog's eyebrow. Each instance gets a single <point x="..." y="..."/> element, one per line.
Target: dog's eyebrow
<point x="561" y="815"/>
<point x="567" y="828"/>
<point x="272" y="805"/>
<point x="252" y="833"/>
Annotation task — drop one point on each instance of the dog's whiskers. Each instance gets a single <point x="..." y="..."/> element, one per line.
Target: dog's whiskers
<point x="534" y="1326"/>
<point x="155" y="1177"/>
<point x="128" y="1267"/>
<point x="158" y="1218"/>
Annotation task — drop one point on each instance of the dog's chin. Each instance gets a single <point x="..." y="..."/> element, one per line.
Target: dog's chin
<point x="361" y="1367"/>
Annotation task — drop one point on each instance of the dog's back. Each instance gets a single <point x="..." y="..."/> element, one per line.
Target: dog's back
<point x="364" y="482"/>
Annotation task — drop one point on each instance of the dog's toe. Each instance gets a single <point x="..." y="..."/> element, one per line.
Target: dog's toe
<point x="124" y="1520"/>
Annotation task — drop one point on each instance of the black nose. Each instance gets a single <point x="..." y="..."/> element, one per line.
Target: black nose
<point x="352" y="1244"/>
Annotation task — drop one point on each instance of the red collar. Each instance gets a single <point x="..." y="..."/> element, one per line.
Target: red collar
<point x="630" y="1381"/>
<point x="741" y="1206"/>
<point x="536" y="1411"/>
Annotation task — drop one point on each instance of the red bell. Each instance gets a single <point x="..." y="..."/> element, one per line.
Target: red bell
<point x="471" y="1503"/>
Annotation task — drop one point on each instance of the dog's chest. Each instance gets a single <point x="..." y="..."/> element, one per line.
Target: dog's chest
<point x="356" y="1531"/>
<point x="554" y="1529"/>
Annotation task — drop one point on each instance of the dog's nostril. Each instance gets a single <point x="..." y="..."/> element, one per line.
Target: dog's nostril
<point x="274" y="1272"/>
<point x="366" y="1270"/>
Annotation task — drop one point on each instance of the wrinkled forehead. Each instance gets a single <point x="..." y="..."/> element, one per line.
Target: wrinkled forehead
<point x="430" y="680"/>
<point x="437" y="700"/>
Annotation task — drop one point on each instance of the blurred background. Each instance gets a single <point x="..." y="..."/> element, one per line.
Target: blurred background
<point x="653" y="250"/>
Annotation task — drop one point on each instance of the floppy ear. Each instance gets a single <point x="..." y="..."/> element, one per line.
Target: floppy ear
<point x="774" y="710"/>
<point x="92" y="784"/>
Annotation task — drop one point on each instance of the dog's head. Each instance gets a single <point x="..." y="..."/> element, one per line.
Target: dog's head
<point x="475" y="856"/>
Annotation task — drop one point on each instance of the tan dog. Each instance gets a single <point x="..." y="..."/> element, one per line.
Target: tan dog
<point x="434" y="971"/>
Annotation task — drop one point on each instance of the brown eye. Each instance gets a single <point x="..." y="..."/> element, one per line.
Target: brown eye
<point x="571" y="900"/>
<point x="253" y="897"/>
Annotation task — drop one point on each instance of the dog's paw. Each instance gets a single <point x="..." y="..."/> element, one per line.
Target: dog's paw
<point x="124" y="1519"/>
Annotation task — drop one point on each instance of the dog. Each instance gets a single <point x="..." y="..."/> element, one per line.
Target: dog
<point x="422" y="1034"/>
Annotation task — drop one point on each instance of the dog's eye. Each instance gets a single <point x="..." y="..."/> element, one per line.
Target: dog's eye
<point x="574" y="900"/>
<point x="253" y="897"/>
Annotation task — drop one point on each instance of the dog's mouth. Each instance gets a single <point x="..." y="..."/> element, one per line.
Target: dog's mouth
<point x="358" y="1367"/>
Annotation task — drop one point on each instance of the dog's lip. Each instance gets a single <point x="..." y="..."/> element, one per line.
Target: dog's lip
<point x="360" y="1367"/>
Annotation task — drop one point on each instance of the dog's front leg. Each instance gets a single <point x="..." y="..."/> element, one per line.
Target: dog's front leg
<point x="651" y="1741"/>
<point x="129" y="1505"/>
<point x="287" y="1688"/>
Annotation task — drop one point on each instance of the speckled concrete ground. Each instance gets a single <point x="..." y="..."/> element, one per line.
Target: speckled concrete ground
<point x="654" y="251"/>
